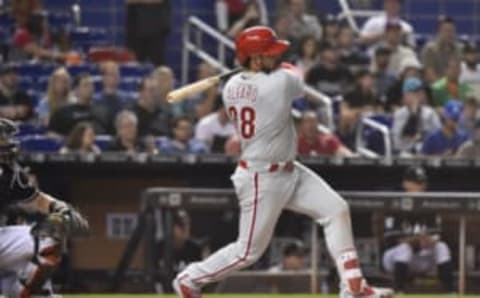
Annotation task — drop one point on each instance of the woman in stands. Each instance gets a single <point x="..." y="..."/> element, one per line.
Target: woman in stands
<point x="81" y="140"/>
<point x="307" y="54"/>
<point x="58" y="95"/>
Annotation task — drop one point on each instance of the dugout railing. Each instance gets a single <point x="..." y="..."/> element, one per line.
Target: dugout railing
<point x="157" y="205"/>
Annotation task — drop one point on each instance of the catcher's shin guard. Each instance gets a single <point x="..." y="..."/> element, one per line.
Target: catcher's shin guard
<point x="48" y="254"/>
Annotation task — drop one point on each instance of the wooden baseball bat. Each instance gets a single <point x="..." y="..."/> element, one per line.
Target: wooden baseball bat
<point x="187" y="91"/>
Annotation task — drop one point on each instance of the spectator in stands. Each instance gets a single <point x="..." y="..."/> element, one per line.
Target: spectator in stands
<point x="469" y="116"/>
<point x="364" y="94"/>
<point x="165" y="83"/>
<point x="33" y="41"/>
<point x="214" y="129"/>
<point x="152" y="120"/>
<point x="58" y="95"/>
<point x="307" y="54"/>
<point x="81" y="140"/>
<point x="374" y="28"/>
<point x="110" y="101"/>
<point x="251" y="17"/>
<point x="446" y="140"/>
<point x="127" y="140"/>
<point x="301" y="23"/>
<point x="185" y="250"/>
<point x="148" y="26"/>
<point x="23" y="10"/>
<point x="414" y="120"/>
<point x="230" y="11"/>
<point x="80" y="110"/>
<point x="450" y="86"/>
<point x="182" y="141"/>
<point x="331" y="30"/>
<point x="437" y="53"/>
<point x="470" y="68"/>
<point x="294" y="258"/>
<point x="281" y="26"/>
<point x="393" y="41"/>
<point x="346" y="128"/>
<point x="471" y="148"/>
<point x="202" y="104"/>
<point x="15" y="104"/>
<point x="311" y="141"/>
<point x="383" y="78"/>
<point x="350" y="53"/>
<point x="329" y="75"/>
<point x="410" y="68"/>
<point x="414" y="179"/>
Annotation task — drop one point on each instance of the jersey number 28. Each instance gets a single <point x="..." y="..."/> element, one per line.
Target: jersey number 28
<point x="246" y="120"/>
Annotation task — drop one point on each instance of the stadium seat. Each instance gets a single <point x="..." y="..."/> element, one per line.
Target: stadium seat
<point x="135" y="69"/>
<point x="103" y="141"/>
<point x="75" y="70"/>
<point x="60" y="21"/>
<point x="35" y="70"/>
<point x="29" y="129"/>
<point x="373" y="138"/>
<point x="40" y="143"/>
<point x="85" y="37"/>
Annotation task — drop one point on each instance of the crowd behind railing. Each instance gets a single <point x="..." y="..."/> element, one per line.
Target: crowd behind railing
<point x="68" y="99"/>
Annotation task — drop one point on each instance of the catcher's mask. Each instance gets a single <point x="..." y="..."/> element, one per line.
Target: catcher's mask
<point x="8" y="144"/>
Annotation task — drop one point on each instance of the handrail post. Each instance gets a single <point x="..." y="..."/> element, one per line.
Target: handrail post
<point x="185" y="53"/>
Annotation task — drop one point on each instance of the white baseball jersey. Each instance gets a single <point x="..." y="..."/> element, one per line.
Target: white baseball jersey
<point x="260" y="104"/>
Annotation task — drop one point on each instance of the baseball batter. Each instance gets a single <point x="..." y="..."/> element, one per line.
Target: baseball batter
<point x="267" y="179"/>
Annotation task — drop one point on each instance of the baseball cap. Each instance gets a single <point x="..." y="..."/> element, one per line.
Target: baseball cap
<point x="452" y="109"/>
<point x="415" y="174"/>
<point x="295" y="248"/>
<point x="411" y="85"/>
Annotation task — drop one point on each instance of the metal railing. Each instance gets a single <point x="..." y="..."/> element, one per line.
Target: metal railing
<point x="193" y="32"/>
<point x="349" y="14"/>
<point x="361" y="144"/>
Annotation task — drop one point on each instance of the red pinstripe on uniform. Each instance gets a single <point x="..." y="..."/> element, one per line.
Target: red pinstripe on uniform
<point x="250" y="237"/>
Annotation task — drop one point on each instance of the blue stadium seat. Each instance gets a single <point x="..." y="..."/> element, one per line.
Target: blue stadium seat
<point x="35" y="70"/>
<point x="26" y="83"/>
<point x="60" y="21"/>
<point x="75" y="70"/>
<point x="85" y="37"/>
<point x="130" y="84"/>
<point x="373" y="138"/>
<point x="28" y="129"/>
<point x="135" y="69"/>
<point x="103" y="141"/>
<point x="40" y="143"/>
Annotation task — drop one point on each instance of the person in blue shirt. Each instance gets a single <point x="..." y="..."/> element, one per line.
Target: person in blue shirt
<point x="182" y="141"/>
<point x="446" y="140"/>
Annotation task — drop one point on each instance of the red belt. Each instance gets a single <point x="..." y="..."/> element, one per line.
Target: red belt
<point x="274" y="167"/>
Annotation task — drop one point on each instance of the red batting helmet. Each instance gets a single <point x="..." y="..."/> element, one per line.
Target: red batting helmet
<point x="259" y="40"/>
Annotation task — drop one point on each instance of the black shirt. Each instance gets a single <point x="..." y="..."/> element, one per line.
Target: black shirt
<point x="117" y="146"/>
<point x="106" y="108"/>
<point x="155" y="123"/>
<point x="65" y="118"/>
<point x="332" y="82"/>
<point x="18" y="98"/>
<point x="188" y="253"/>
<point x="15" y="186"/>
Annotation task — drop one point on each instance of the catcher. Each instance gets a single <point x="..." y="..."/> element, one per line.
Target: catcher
<point x="29" y="255"/>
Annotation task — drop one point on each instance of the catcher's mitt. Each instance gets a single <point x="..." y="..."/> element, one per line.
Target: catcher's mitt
<point x="62" y="224"/>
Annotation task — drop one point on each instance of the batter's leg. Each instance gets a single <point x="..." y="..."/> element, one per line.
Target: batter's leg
<point x="262" y="197"/>
<point x="314" y="197"/>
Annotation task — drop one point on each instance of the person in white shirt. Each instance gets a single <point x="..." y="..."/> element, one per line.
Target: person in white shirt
<point x="374" y="28"/>
<point x="470" y="68"/>
<point x="214" y="129"/>
<point x="399" y="52"/>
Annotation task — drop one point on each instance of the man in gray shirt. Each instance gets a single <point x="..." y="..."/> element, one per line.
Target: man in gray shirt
<point x="414" y="119"/>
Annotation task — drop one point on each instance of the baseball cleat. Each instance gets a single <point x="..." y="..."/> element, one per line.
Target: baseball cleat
<point x="369" y="292"/>
<point x="186" y="291"/>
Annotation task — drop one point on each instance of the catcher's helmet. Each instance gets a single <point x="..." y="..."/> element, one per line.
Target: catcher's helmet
<point x="258" y="40"/>
<point x="8" y="144"/>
